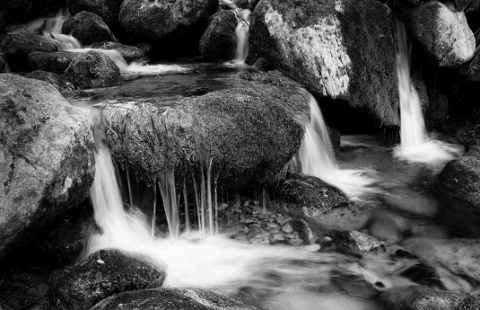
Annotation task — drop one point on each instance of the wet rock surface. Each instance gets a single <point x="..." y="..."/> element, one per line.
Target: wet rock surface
<point x="442" y="34"/>
<point x="52" y="62"/>
<point x="91" y="70"/>
<point x="350" y="38"/>
<point x="219" y="40"/>
<point x="16" y="48"/>
<point x="88" y="28"/>
<point x="57" y="80"/>
<point x="130" y="53"/>
<point x="178" y="23"/>
<point x="174" y="299"/>
<point x="101" y="275"/>
<point x="46" y="154"/>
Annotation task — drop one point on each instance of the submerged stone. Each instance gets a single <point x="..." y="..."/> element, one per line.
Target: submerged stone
<point x="102" y="274"/>
<point x="46" y="158"/>
<point x="88" y="28"/>
<point x="172" y="299"/>
<point x="342" y="50"/>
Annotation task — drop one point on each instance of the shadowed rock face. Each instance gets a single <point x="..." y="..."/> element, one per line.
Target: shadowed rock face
<point x="20" y="11"/>
<point x="88" y="28"/>
<point x="107" y="9"/>
<point x="219" y="40"/>
<point x="46" y="158"/>
<point x="172" y="299"/>
<point x="342" y="50"/>
<point x="177" y="23"/>
<point x="247" y="128"/>
<point x="102" y="274"/>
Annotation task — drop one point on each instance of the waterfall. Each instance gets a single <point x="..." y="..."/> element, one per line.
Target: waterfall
<point x="242" y="31"/>
<point x="415" y="144"/>
<point x="316" y="157"/>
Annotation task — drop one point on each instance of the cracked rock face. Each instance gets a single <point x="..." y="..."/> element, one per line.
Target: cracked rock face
<point x="341" y="50"/>
<point x="46" y="158"/>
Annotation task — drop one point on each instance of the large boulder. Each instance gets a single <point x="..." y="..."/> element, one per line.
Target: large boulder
<point x="16" y="48"/>
<point x="52" y="62"/>
<point x="442" y="34"/>
<point x="219" y="40"/>
<point x="107" y="9"/>
<point x="46" y="158"/>
<point x="339" y="49"/>
<point x="178" y="23"/>
<point x="130" y="53"/>
<point x="423" y="298"/>
<point x="93" y="69"/>
<point x="172" y="299"/>
<point x="88" y="28"/>
<point x="247" y="129"/>
<point x="101" y="275"/>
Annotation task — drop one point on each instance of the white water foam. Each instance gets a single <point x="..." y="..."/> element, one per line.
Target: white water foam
<point x="416" y="146"/>
<point x="242" y="32"/>
<point x="316" y="157"/>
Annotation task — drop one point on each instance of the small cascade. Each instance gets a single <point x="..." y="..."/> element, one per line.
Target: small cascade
<point x="316" y="157"/>
<point x="242" y="31"/>
<point x="415" y="144"/>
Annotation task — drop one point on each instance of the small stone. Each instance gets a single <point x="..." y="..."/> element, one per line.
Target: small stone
<point x="287" y="228"/>
<point x="295" y="242"/>
<point x="246" y="203"/>
<point x="277" y="238"/>
<point x="283" y="220"/>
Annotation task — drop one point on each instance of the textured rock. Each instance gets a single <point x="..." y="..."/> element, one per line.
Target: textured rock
<point x="219" y="41"/>
<point x="246" y="128"/>
<point x="102" y="274"/>
<point x="46" y="157"/>
<point x="107" y="9"/>
<point x="343" y="49"/>
<point x="425" y="298"/>
<point x="55" y="79"/>
<point x="88" y="28"/>
<point x="471" y="69"/>
<point x="93" y="69"/>
<point x="4" y="67"/>
<point x="355" y="241"/>
<point x="443" y="35"/>
<point x="130" y="53"/>
<point x="17" y="47"/>
<point x="179" y="22"/>
<point x="172" y="299"/>
<point x="52" y="62"/>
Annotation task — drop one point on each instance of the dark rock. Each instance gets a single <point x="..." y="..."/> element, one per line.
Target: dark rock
<point x="423" y="298"/>
<point x="46" y="155"/>
<point x="471" y="69"/>
<point x="88" y="28"/>
<point x="304" y="231"/>
<point x="93" y="69"/>
<point x="243" y="4"/>
<point x="172" y="25"/>
<point x="442" y="34"/>
<point x="52" y="62"/>
<point x="16" y="48"/>
<point x="4" y="67"/>
<point x="353" y="39"/>
<point x="172" y="299"/>
<point x="461" y="179"/>
<point x="130" y="53"/>
<point x="145" y="47"/>
<point x="21" y="11"/>
<point x="55" y="79"/>
<point x="3" y="23"/>
<point x="107" y="9"/>
<point x="247" y="128"/>
<point x="335" y="137"/>
<point x="436" y="115"/>
<point x="103" y="274"/>
<point x="219" y="41"/>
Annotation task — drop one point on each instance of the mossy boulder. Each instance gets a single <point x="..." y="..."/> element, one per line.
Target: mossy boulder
<point x="172" y="299"/>
<point x="93" y="69"/>
<point x="16" y="48"/>
<point x="107" y="9"/>
<point x="46" y="158"/>
<point x="102" y="274"/>
<point x="442" y="33"/>
<point x="247" y="129"/>
<point x="88" y="28"/>
<point x="130" y="53"/>
<point x="53" y="62"/>
<point x="341" y="50"/>
<point x="170" y="25"/>
<point x="219" y="41"/>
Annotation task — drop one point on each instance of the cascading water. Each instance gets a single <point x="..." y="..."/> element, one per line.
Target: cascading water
<point x="416" y="145"/>
<point x="242" y="31"/>
<point x="216" y="263"/>
<point x="316" y="157"/>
